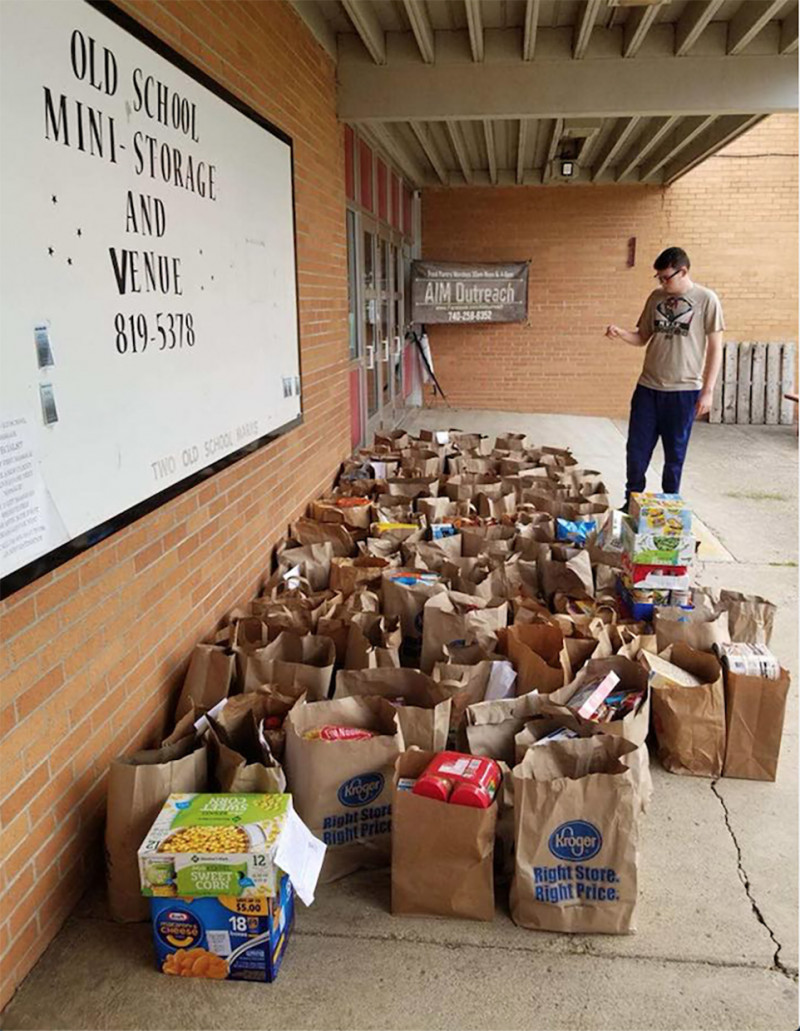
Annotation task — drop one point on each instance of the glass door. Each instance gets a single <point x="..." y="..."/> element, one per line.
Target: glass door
<point x="371" y="259"/>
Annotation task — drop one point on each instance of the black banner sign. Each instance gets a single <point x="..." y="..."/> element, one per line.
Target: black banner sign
<point x="450" y="291"/>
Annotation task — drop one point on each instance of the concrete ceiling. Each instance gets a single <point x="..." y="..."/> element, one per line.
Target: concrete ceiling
<point x="498" y="92"/>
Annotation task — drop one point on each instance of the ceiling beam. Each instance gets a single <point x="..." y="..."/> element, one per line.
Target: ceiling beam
<point x="523" y="139"/>
<point x="722" y="132"/>
<point x="385" y="138"/>
<point x="654" y="135"/>
<point x="748" y="21"/>
<point x="529" y="34"/>
<point x="459" y="145"/>
<point x="692" y="23"/>
<point x="558" y="128"/>
<point x="475" y="23"/>
<point x="366" y="24"/>
<point x="425" y="140"/>
<point x="636" y="28"/>
<point x="617" y="143"/>
<point x="583" y="28"/>
<point x="417" y="15"/>
<point x="687" y="132"/>
<point x="405" y="90"/>
<point x="788" y="44"/>
<point x="491" y="153"/>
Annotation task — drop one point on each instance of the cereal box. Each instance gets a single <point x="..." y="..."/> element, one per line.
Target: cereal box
<point x="664" y="514"/>
<point x="204" y="845"/>
<point x="227" y="938"/>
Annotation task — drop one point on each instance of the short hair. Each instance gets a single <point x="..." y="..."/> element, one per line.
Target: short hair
<point x="672" y="257"/>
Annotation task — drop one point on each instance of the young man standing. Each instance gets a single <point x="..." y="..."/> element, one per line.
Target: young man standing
<point x="681" y="326"/>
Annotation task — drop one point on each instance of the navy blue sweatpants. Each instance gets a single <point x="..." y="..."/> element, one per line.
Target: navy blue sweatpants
<point x="668" y="414"/>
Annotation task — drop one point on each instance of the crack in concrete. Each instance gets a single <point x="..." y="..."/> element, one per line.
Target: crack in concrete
<point x="777" y="963"/>
<point x="572" y="951"/>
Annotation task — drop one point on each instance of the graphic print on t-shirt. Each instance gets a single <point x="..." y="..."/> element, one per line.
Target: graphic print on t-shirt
<point x="673" y="316"/>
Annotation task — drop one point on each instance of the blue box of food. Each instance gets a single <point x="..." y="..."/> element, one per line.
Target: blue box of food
<point x="231" y="937"/>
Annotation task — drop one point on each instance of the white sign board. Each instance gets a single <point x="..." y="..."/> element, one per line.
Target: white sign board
<point x="148" y="301"/>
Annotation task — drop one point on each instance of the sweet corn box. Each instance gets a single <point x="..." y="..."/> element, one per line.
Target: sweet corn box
<point x="656" y="549"/>
<point x="664" y="514"/>
<point x="212" y="845"/>
<point x="227" y="938"/>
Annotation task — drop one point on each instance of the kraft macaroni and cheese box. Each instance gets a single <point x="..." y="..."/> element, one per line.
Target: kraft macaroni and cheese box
<point x="664" y="514"/>
<point x="214" y="845"/>
<point x="227" y="938"/>
<point x="655" y="549"/>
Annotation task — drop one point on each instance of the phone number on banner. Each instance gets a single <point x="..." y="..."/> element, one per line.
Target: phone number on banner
<point x="484" y="315"/>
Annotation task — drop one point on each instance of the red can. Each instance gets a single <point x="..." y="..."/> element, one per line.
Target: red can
<point x="460" y="779"/>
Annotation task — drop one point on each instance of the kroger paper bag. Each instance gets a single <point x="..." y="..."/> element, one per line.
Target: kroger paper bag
<point x="576" y="838"/>
<point x="442" y="855"/>
<point x="754" y="709"/>
<point x="538" y="654"/>
<point x="342" y="790"/>
<point x="423" y="706"/>
<point x="138" y="786"/>
<point x="242" y="760"/>
<point x="696" y="628"/>
<point x="750" y="617"/>
<point x="373" y="641"/>
<point x="690" y="721"/>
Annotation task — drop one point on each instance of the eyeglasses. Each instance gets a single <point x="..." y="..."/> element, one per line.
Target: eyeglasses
<point x="666" y="279"/>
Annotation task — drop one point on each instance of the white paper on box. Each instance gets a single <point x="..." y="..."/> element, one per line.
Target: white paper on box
<point x="379" y="470"/>
<point x="442" y="437"/>
<point x="501" y="681"/>
<point x="300" y="855"/>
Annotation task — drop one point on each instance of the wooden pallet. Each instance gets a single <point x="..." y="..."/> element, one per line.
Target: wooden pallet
<point x="752" y="383"/>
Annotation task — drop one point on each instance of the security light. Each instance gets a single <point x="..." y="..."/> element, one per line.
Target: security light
<point x="567" y="169"/>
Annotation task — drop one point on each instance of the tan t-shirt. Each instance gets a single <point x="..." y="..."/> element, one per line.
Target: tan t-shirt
<point x="676" y="326"/>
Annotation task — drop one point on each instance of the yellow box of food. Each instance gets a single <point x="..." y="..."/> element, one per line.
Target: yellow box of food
<point x="212" y="845"/>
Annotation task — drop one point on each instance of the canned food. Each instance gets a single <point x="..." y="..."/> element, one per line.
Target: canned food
<point x="681" y="598"/>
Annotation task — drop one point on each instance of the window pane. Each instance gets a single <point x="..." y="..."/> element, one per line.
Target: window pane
<point x="365" y="174"/>
<point x="351" y="284"/>
<point x="382" y="191"/>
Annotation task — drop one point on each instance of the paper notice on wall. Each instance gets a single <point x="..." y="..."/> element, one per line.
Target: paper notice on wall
<point x="23" y="509"/>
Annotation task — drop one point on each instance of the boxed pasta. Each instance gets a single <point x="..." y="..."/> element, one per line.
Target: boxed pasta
<point x="665" y="514"/>
<point x="226" y="938"/>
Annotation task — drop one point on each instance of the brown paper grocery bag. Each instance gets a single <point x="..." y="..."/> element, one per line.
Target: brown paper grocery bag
<point x="342" y="790"/>
<point x="423" y="706"/>
<point x="138" y="785"/>
<point x="576" y="838"/>
<point x="332" y="510"/>
<point x="373" y="641"/>
<point x="313" y="563"/>
<point x="632" y="677"/>
<point x="208" y="680"/>
<point x="407" y="602"/>
<point x="690" y="721"/>
<point x="693" y="628"/>
<point x="750" y="617"/>
<point x="491" y="727"/>
<point x="348" y="574"/>
<point x="452" y="619"/>
<point x="310" y="531"/>
<point x="241" y="758"/>
<point x="537" y="651"/>
<point x="754" y="711"/>
<point x="296" y="665"/>
<point x="572" y="576"/>
<point x="442" y="854"/>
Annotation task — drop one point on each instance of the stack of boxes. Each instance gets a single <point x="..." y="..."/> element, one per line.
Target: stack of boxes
<point x="658" y="552"/>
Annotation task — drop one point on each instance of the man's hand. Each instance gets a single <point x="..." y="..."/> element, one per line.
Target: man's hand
<point x="704" y="402"/>
<point x="615" y="333"/>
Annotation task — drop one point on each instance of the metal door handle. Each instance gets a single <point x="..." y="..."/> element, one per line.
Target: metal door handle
<point x="385" y="343"/>
<point x="398" y="347"/>
<point x="370" y="356"/>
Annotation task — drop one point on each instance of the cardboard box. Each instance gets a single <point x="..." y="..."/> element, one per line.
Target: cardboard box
<point x="204" y="936"/>
<point x="664" y="514"/>
<point x="648" y="548"/>
<point x="661" y="673"/>
<point x="655" y="577"/>
<point x="185" y="853"/>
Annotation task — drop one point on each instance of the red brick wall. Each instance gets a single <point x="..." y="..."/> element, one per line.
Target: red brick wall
<point x="93" y="653"/>
<point x="736" y="215"/>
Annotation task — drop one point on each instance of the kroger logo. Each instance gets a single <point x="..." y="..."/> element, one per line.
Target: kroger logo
<point x="360" y="790"/>
<point x="575" y="840"/>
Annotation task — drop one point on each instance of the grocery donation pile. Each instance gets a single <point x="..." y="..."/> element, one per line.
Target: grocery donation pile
<point x="453" y="671"/>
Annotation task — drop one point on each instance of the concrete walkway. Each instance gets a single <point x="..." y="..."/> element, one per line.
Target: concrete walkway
<point x="716" y="945"/>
